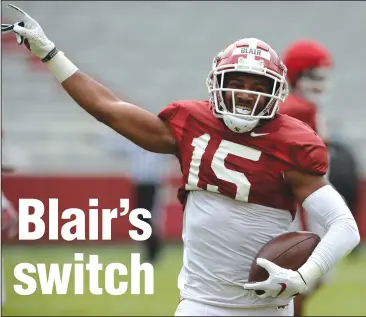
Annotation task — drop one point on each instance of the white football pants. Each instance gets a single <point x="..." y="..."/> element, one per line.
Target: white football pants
<point x="190" y="308"/>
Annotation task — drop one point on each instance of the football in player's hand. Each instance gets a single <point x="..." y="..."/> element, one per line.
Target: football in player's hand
<point x="289" y="250"/>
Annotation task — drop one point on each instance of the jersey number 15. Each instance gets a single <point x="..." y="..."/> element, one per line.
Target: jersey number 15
<point x="218" y="165"/>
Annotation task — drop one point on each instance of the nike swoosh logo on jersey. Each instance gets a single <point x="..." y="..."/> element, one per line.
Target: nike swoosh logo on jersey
<point x="283" y="288"/>
<point x="253" y="134"/>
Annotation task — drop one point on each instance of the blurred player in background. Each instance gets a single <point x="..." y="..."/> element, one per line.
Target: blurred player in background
<point x="9" y="225"/>
<point x="9" y="217"/>
<point x="147" y="172"/>
<point x="309" y="66"/>
<point x="308" y="70"/>
<point x="9" y="220"/>
<point x="243" y="168"/>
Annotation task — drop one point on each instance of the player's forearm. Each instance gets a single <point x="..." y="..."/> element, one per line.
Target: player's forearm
<point x="102" y="104"/>
<point x="138" y="125"/>
<point x="93" y="97"/>
<point x="330" y="210"/>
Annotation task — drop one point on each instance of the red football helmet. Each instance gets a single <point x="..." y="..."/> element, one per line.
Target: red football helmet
<point x="304" y="55"/>
<point x="251" y="56"/>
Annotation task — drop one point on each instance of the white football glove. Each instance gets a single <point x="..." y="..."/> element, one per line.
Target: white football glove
<point x="30" y="33"/>
<point x="282" y="283"/>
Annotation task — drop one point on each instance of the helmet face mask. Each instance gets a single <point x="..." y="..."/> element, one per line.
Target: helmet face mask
<point x="248" y="59"/>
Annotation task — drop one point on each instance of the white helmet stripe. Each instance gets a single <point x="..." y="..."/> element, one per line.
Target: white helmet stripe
<point x="252" y="45"/>
<point x="252" y="50"/>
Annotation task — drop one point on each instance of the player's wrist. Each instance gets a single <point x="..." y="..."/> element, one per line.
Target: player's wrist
<point x="60" y="66"/>
<point x="310" y="271"/>
<point x="50" y="55"/>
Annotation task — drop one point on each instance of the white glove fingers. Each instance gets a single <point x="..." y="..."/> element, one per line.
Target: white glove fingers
<point x="257" y="286"/>
<point x="269" y="266"/>
<point x="263" y="296"/>
<point x="9" y="28"/>
<point x="6" y="28"/>
<point x="23" y="16"/>
<point x="254" y="286"/>
<point x="30" y="33"/>
<point x="19" y="39"/>
<point x="20" y="30"/>
<point x="20" y="12"/>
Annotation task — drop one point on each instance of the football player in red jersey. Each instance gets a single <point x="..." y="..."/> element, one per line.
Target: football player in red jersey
<point x="9" y="225"/>
<point x="309" y="65"/>
<point x="9" y="222"/>
<point x="243" y="167"/>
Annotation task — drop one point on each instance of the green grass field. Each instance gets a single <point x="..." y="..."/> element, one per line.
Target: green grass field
<point x="344" y="296"/>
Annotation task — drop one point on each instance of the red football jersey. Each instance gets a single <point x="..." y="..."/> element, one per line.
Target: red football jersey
<point x="300" y="109"/>
<point x="307" y="112"/>
<point x="248" y="167"/>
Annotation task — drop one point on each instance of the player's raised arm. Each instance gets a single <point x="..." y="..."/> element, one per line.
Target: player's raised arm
<point x="139" y="125"/>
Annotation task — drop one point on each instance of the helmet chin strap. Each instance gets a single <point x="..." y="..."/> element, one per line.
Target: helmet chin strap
<point x="239" y="125"/>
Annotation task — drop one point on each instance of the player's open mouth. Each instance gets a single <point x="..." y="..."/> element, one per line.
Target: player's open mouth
<point x="243" y="109"/>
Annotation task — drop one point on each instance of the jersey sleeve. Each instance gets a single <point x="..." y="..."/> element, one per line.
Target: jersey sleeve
<point x="175" y="115"/>
<point x="167" y="114"/>
<point x="302" y="113"/>
<point x="310" y="157"/>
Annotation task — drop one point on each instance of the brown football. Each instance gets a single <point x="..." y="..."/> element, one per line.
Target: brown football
<point x="289" y="250"/>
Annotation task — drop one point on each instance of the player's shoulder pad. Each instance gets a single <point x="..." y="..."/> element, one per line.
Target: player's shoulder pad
<point x="306" y="149"/>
